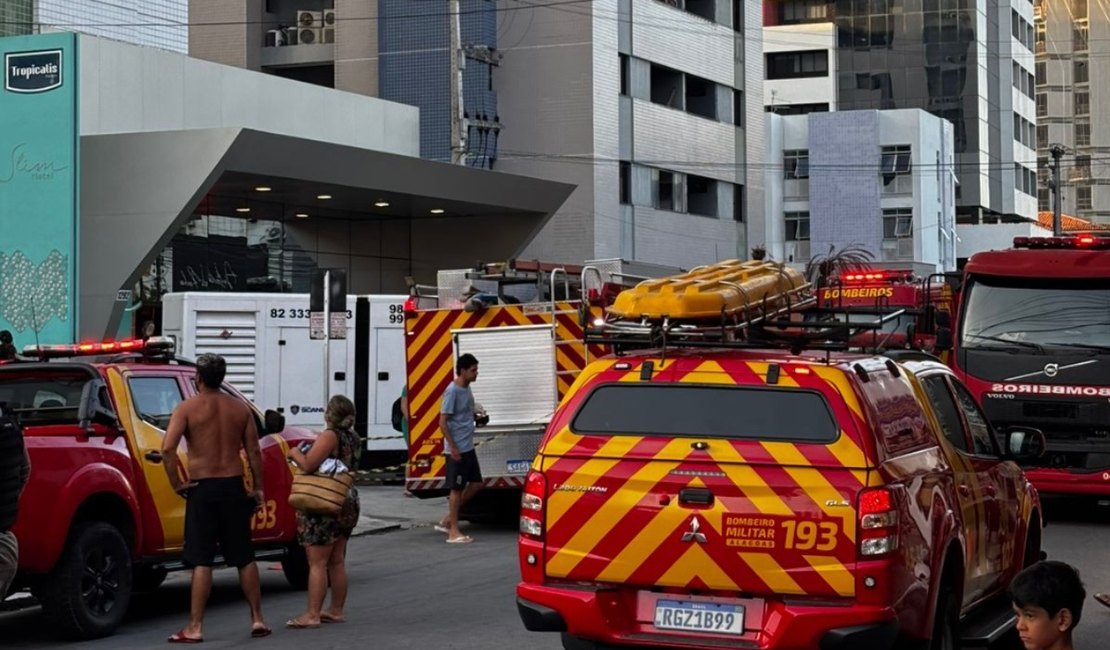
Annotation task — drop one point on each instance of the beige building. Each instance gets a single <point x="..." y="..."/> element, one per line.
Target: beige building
<point x="1073" y="75"/>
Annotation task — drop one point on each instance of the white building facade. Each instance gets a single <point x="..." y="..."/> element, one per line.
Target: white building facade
<point x="880" y="180"/>
<point x="800" y="68"/>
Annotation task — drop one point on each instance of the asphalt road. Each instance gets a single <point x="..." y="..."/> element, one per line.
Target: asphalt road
<point x="409" y="589"/>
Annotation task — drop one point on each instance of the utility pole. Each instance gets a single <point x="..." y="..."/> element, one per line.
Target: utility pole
<point x="458" y="126"/>
<point x="1057" y="152"/>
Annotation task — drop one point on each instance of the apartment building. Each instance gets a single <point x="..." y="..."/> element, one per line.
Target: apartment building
<point x="157" y="23"/>
<point x="1072" y="76"/>
<point x="969" y="63"/>
<point x="880" y="180"/>
<point x="799" y="46"/>
<point x="652" y="108"/>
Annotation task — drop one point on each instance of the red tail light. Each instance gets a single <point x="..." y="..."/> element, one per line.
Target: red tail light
<point x="532" y="506"/>
<point x="878" y="522"/>
<point x="410" y="306"/>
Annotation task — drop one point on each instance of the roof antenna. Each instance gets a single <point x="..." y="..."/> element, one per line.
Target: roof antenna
<point x="35" y="327"/>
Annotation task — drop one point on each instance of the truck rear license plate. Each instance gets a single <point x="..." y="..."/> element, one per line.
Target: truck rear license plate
<point x="699" y="617"/>
<point x="518" y="466"/>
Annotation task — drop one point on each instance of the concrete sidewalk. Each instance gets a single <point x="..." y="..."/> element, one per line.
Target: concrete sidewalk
<point x="385" y="508"/>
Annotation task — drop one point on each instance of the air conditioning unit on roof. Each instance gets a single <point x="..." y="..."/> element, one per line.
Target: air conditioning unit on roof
<point x="309" y="27"/>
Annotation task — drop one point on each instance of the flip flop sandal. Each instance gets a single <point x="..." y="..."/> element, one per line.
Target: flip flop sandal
<point x="328" y="618"/>
<point x="261" y="632"/>
<point x="465" y="539"/>
<point x="179" y="637"/>
<point x="1103" y="599"/>
<point x="295" y="624"/>
<point x="440" y="529"/>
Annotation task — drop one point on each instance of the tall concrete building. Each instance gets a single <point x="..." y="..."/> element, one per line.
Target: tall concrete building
<point x="157" y="23"/>
<point x="652" y="108"/>
<point x="968" y="63"/>
<point x="1073" y="75"/>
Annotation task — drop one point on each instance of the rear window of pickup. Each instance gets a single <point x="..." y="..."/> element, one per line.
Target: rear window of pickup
<point x="707" y="411"/>
<point x="42" y="399"/>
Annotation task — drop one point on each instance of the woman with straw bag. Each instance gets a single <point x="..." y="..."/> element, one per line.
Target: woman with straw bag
<point x="325" y="536"/>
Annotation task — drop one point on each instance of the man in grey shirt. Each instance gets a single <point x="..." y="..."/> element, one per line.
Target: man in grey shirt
<point x="456" y="421"/>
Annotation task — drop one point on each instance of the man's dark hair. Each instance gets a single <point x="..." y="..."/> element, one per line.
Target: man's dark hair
<point x="211" y="369"/>
<point x="1052" y="586"/>
<point x="466" y="362"/>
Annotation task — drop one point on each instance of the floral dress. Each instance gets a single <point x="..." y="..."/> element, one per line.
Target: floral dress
<point x="321" y="530"/>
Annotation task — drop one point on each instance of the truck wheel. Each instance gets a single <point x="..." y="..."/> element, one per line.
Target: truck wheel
<point x="87" y="594"/>
<point x="295" y="567"/>
<point x="574" y="643"/>
<point x="946" y="634"/>
<point x="147" y="578"/>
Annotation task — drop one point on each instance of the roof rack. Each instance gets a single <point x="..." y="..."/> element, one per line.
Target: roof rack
<point x="730" y="304"/>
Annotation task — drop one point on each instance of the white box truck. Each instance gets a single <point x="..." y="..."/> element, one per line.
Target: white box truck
<point x="270" y="358"/>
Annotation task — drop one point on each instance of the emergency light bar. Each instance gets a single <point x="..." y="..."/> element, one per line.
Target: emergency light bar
<point x="1084" y="242"/>
<point x="878" y="276"/>
<point x="152" y="345"/>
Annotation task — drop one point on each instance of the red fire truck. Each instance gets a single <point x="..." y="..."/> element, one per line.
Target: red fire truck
<point x="1032" y="342"/>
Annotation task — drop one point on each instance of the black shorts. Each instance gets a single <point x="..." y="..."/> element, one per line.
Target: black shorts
<point x="218" y="511"/>
<point x="463" y="471"/>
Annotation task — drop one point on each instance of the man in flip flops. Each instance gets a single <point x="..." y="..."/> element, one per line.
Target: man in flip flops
<point x="456" y="421"/>
<point x="218" y="508"/>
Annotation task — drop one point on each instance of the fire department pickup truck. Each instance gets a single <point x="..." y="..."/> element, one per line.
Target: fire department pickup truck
<point x="752" y="486"/>
<point x="98" y="519"/>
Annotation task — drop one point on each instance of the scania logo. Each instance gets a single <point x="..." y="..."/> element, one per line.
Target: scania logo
<point x="294" y="409"/>
<point x="33" y="72"/>
<point x="694" y="534"/>
<point x="1051" y="369"/>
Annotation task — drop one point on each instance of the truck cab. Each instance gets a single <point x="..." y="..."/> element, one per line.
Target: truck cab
<point x="98" y="519"/>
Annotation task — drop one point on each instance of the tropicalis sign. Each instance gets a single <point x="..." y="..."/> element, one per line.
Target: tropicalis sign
<point x="33" y="72"/>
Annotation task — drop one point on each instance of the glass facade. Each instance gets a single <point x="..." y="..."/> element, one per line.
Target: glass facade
<point x="157" y="23"/>
<point x="16" y="17"/>
<point x="916" y="54"/>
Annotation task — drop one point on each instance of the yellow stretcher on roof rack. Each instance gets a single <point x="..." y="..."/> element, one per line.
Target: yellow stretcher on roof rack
<point x="724" y="289"/>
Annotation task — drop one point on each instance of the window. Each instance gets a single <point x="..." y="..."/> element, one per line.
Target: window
<point x="738" y="16"/>
<point x="1079" y="37"/>
<point x="155" y="399"/>
<point x="1082" y="134"/>
<point x="1082" y="103"/>
<point x="798" y="109"/>
<point x="706" y="411"/>
<point x="701" y="195"/>
<point x="738" y="108"/>
<point x="982" y="438"/>
<point x="948" y="415"/>
<point x="1083" y="166"/>
<point x="666" y="87"/>
<point x="701" y="97"/>
<point x="1015" y="24"/>
<point x="1083" y="198"/>
<point x="664" y="189"/>
<point x="1043" y="200"/>
<point x="794" y="65"/>
<point x="897" y="223"/>
<point x="1041" y="70"/>
<point x="1025" y="179"/>
<point x="795" y="164"/>
<point x="1078" y="9"/>
<point x="707" y="9"/>
<point x="1042" y="104"/>
<point x="1080" y="74"/>
<point x="894" y="166"/>
<point x="1042" y="135"/>
<point x="625" y="182"/>
<point x="625" y="63"/>
<point x="796" y="12"/>
<point x="797" y="226"/>
<point x="738" y="203"/>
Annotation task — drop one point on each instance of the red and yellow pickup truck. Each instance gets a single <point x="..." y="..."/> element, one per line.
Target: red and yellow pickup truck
<point x="98" y="519"/>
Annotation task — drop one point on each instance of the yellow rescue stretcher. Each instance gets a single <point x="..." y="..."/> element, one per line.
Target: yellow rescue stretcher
<point x="725" y="289"/>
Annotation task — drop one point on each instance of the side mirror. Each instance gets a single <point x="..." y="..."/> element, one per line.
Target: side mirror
<point x="275" y="422"/>
<point x="944" y="338"/>
<point x="1025" y="443"/>
<point x="92" y="409"/>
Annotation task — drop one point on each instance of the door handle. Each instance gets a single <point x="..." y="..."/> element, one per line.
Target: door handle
<point x="695" y="497"/>
<point x="153" y="456"/>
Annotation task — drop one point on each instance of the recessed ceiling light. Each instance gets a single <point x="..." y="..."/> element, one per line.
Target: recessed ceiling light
<point x="242" y="209"/>
<point x="301" y="215"/>
<point x="323" y="197"/>
<point x="381" y="204"/>
<point x="262" y="188"/>
<point x="437" y="210"/>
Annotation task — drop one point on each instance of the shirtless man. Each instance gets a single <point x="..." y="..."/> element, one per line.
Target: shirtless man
<point x="218" y="509"/>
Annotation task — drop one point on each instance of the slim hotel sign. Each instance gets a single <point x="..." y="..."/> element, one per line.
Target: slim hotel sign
<point x="33" y="72"/>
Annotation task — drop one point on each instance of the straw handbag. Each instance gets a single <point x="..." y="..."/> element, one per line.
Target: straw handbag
<point x="320" y="493"/>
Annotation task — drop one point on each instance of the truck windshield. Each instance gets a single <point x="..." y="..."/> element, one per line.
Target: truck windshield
<point x="1034" y="315"/>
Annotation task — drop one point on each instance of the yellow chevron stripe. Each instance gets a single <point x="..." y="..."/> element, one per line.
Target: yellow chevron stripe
<point x="435" y="321"/>
<point x="835" y="377"/>
<point x="813" y="482"/>
<point x="772" y="573"/>
<point x="608" y="456"/>
<point x="834" y="573"/>
<point x="694" y="563"/>
<point x="751" y="484"/>
<point x="616" y="507"/>
<point x="709" y="372"/>
<point x="849" y="454"/>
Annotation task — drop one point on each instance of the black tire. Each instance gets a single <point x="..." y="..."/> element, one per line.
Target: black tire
<point x="946" y="621"/>
<point x="147" y="578"/>
<point x="295" y="567"/>
<point x="89" y="590"/>
<point x="574" y="643"/>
